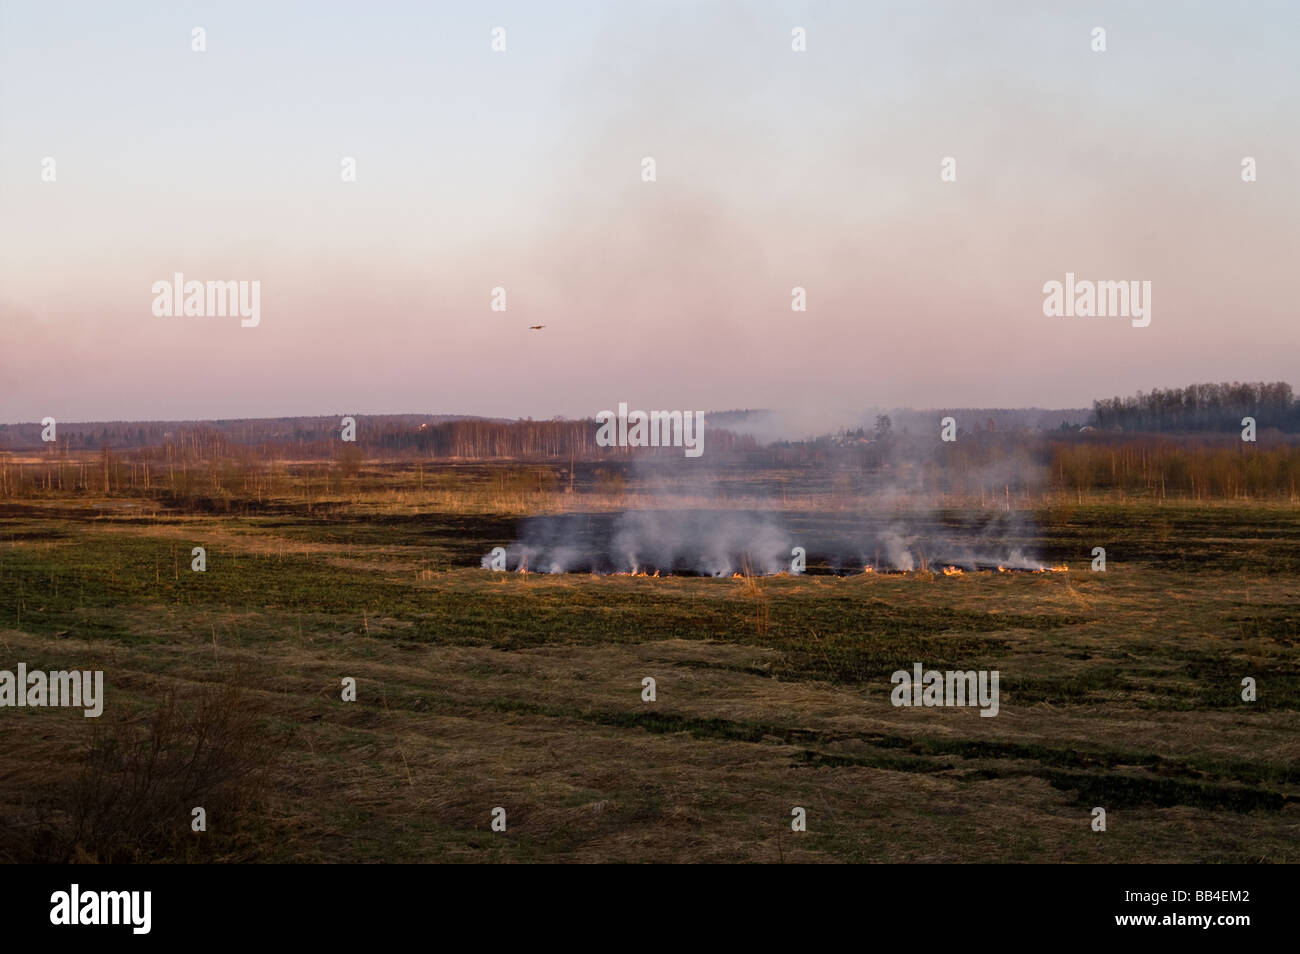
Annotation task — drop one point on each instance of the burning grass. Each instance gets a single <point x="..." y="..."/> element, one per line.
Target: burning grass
<point x="655" y="573"/>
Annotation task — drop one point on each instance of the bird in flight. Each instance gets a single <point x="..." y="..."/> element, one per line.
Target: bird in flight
<point x="536" y="327"/>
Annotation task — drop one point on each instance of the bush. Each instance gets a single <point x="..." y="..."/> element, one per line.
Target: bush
<point x="142" y="776"/>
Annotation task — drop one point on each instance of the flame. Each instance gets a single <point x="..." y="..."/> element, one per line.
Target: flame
<point x="868" y="569"/>
<point x="645" y="573"/>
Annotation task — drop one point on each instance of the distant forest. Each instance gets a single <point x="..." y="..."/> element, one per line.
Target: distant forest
<point x="1201" y="408"/>
<point x="1134" y="448"/>
<point x="1196" y="409"/>
<point x="398" y="436"/>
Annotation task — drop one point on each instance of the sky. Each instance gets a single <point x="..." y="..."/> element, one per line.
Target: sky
<point x="522" y="169"/>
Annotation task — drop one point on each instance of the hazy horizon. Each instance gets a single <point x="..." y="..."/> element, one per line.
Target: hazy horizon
<point x="826" y="415"/>
<point x="522" y="169"/>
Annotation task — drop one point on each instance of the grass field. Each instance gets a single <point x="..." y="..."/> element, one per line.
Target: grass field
<point x="476" y="689"/>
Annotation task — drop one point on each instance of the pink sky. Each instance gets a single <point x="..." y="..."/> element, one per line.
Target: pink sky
<point x="522" y="170"/>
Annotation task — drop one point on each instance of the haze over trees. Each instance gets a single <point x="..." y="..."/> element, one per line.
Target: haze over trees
<point x="1202" y="407"/>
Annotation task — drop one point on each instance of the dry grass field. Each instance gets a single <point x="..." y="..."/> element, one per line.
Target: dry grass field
<point x="477" y="689"/>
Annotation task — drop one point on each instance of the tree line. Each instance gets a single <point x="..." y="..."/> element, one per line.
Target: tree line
<point x="1202" y="407"/>
<point x="322" y="439"/>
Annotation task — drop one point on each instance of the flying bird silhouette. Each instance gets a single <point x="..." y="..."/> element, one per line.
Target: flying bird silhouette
<point x="536" y="327"/>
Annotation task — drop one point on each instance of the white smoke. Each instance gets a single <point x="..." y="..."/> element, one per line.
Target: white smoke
<point x="721" y="517"/>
